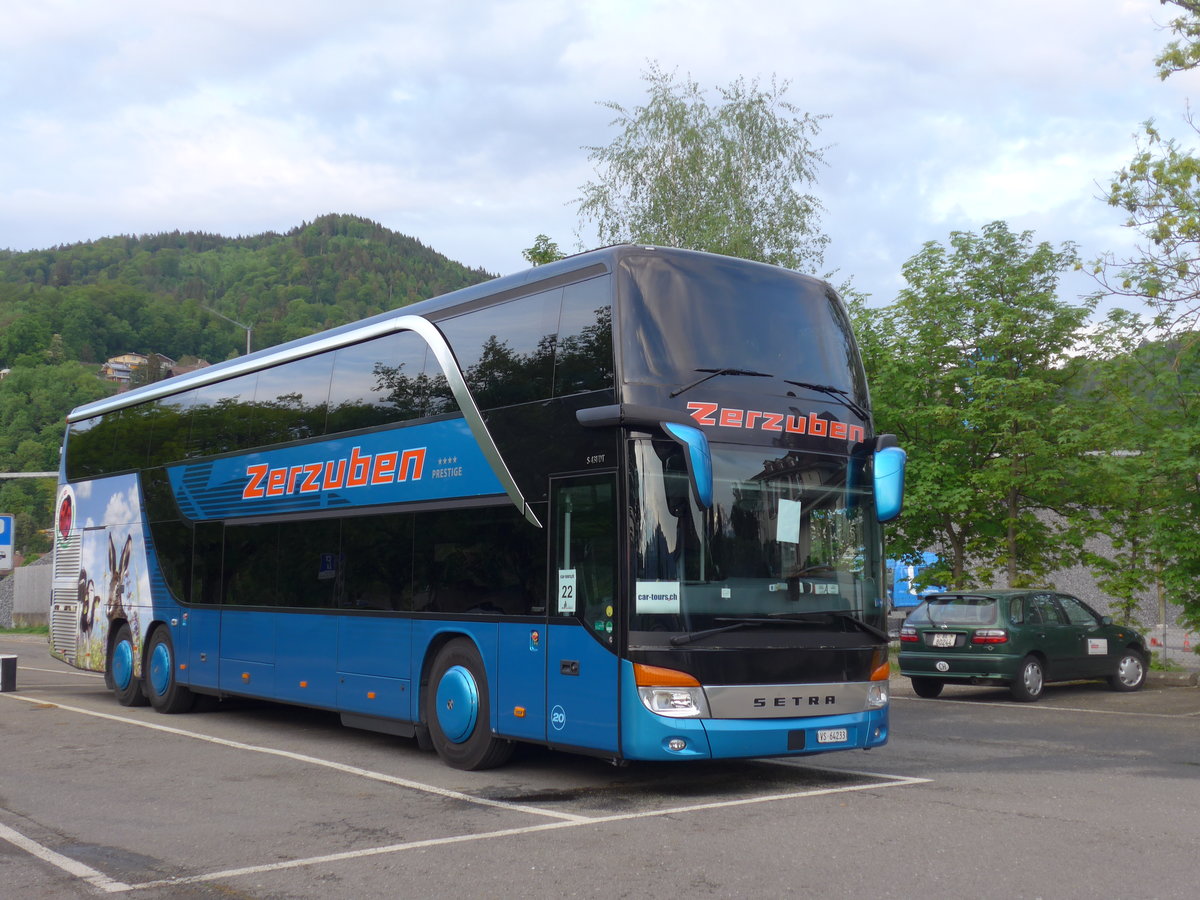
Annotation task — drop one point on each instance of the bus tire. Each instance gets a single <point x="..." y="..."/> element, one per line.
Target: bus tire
<point x="458" y="711"/>
<point x="166" y="694"/>
<point x="121" y="659"/>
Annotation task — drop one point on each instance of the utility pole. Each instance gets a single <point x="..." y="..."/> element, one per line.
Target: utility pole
<point x="232" y="322"/>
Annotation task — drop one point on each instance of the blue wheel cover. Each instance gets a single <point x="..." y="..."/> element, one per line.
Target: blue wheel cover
<point x="122" y="664"/>
<point x="160" y="669"/>
<point x="457" y="704"/>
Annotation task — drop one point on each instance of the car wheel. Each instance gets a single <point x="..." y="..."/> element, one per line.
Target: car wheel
<point x="121" y="660"/>
<point x="1131" y="672"/>
<point x="1031" y="680"/>
<point x="927" y="687"/>
<point x="458" y="711"/>
<point x="165" y="693"/>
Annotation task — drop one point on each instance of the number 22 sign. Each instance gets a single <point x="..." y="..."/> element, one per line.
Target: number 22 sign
<point x="566" y="592"/>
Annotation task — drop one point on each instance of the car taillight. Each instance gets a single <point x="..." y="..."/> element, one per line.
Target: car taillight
<point x="990" y="636"/>
<point x="908" y="633"/>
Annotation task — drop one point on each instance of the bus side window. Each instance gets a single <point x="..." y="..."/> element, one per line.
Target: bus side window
<point x="376" y="562"/>
<point x="290" y="401"/>
<point x="480" y="561"/>
<point x="377" y="382"/>
<point x="89" y="445"/>
<point x="583" y="358"/>
<point x="507" y="352"/>
<point x="168" y="427"/>
<point x="207" y="562"/>
<point x="219" y="420"/>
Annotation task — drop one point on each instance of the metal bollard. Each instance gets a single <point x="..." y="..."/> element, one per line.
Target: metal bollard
<point x="8" y="673"/>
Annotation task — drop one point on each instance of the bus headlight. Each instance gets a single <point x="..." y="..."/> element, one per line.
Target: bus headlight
<point x="676" y="702"/>
<point x="877" y="695"/>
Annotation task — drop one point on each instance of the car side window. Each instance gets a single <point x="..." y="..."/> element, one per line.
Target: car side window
<point x="1077" y="613"/>
<point x="1047" y="612"/>
<point x="1033" y="612"/>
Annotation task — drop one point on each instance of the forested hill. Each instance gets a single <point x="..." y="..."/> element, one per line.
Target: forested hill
<point x="94" y="300"/>
<point x="66" y="310"/>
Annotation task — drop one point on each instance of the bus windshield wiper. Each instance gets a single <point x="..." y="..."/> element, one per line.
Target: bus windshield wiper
<point x="746" y="622"/>
<point x="713" y="373"/>
<point x="837" y="613"/>
<point x="837" y="394"/>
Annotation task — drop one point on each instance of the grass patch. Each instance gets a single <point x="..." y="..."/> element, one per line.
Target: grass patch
<point x="26" y="629"/>
<point x="1159" y="663"/>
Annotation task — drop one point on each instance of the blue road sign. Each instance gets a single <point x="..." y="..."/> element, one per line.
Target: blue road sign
<point x="6" y="543"/>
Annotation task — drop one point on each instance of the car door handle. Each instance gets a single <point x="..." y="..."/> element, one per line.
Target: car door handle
<point x="568" y="666"/>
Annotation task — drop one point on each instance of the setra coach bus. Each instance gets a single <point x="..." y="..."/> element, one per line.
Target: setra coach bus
<point x="625" y="504"/>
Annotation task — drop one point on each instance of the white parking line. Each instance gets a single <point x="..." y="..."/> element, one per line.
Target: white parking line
<point x="313" y="760"/>
<point x="79" y="672"/>
<point x="1049" y="707"/>
<point x="509" y="832"/>
<point x="565" y="820"/>
<point x="68" y="865"/>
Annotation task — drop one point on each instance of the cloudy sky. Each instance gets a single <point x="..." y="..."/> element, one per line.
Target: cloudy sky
<point x="463" y="123"/>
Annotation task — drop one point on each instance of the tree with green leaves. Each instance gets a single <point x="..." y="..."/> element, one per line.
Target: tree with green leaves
<point x="1159" y="192"/>
<point x="34" y="401"/>
<point x="732" y="177"/>
<point x="969" y="367"/>
<point x="543" y="251"/>
<point x="1183" y="53"/>
<point x="1144" y="399"/>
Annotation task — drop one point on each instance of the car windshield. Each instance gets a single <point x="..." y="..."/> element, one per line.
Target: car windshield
<point x="968" y="611"/>
<point x="789" y="535"/>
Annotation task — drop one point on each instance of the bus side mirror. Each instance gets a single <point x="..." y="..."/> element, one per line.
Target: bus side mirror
<point x="699" y="460"/>
<point x="695" y="445"/>
<point x="889" y="482"/>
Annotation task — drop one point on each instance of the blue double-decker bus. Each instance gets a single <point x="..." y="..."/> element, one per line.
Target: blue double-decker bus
<point x="625" y="504"/>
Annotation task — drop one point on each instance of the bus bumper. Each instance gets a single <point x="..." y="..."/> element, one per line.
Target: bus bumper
<point x="648" y="736"/>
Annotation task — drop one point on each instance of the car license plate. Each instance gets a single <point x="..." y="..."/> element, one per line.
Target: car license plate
<point x="832" y="736"/>
<point x="942" y="640"/>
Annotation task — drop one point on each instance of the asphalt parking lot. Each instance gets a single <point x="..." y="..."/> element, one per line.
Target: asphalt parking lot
<point x="1086" y="791"/>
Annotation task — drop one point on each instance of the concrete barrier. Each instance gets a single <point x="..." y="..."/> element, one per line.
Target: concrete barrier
<point x="31" y="595"/>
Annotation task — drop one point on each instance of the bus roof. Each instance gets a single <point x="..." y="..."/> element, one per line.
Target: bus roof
<point x="558" y="273"/>
<point x="564" y="271"/>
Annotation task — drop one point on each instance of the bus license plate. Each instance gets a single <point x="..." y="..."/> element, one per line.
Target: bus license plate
<point x="943" y="640"/>
<point x="832" y="736"/>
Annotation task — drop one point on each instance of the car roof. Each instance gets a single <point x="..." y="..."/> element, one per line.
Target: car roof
<point x="997" y="594"/>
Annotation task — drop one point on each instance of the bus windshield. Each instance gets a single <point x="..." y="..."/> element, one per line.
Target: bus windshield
<point x="789" y="535"/>
<point x="676" y="316"/>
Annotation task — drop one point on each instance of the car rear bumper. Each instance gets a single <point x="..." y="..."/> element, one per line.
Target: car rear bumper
<point x="960" y="666"/>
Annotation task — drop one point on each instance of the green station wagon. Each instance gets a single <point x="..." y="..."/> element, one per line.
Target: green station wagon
<point x="1020" y="638"/>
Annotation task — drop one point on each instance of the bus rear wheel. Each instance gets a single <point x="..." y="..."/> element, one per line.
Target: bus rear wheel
<point x="166" y="694"/>
<point x="121" y="659"/>
<point x="458" y="711"/>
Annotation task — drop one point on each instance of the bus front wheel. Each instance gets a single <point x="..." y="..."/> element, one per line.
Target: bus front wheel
<point x="458" y="711"/>
<point x="166" y="694"/>
<point x="121" y="658"/>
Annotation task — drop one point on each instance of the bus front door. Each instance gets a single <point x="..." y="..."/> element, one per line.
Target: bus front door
<point x="581" y="659"/>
